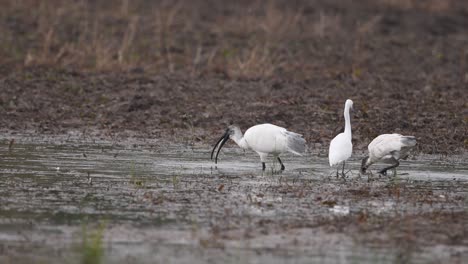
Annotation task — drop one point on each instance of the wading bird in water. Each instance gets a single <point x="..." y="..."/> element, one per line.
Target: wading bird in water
<point x="389" y="148"/>
<point x="264" y="139"/>
<point x="341" y="146"/>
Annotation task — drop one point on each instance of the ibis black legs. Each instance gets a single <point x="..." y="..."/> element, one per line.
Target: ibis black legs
<point x="384" y="170"/>
<point x="282" y="165"/>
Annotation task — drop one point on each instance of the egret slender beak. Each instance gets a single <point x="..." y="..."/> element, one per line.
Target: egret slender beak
<point x="223" y="140"/>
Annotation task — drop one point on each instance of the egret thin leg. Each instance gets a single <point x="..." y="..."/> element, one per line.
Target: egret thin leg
<point x="342" y="171"/>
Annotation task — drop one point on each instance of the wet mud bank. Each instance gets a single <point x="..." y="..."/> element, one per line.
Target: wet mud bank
<point x="197" y="110"/>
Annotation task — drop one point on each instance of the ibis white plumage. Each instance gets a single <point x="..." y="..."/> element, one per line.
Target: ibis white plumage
<point x="341" y="146"/>
<point x="388" y="148"/>
<point x="264" y="139"/>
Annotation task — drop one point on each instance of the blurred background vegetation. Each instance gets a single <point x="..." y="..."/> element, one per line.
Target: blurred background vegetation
<point x="233" y="38"/>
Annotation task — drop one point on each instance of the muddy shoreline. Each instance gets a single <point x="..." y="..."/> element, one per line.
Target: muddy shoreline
<point x="197" y="110"/>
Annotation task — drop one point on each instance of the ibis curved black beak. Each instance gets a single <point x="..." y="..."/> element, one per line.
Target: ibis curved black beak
<point x="223" y="140"/>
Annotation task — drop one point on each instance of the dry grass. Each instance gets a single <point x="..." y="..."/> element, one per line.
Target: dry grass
<point x="428" y="5"/>
<point x="251" y="39"/>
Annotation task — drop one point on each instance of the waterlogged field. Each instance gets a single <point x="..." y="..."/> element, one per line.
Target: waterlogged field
<point x="182" y="71"/>
<point x="79" y="199"/>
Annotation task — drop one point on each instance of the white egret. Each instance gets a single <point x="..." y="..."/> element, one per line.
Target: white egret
<point x="341" y="146"/>
<point x="264" y="139"/>
<point x="389" y="148"/>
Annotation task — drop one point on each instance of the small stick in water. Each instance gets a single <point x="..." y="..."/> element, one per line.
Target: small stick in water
<point x="10" y="147"/>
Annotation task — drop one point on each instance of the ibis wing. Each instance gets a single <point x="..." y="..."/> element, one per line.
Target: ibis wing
<point x="295" y="142"/>
<point x="388" y="143"/>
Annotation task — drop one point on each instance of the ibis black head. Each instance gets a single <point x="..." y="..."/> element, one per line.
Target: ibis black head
<point x="229" y="131"/>
<point x="364" y="165"/>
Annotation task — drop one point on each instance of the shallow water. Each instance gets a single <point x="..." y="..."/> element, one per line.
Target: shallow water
<point x="169" y="203"/>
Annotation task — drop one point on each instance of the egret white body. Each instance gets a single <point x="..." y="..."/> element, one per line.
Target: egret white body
<point x="388" y="148"/>
<point x="341" y="146"/>
<point x="264" y="139"/>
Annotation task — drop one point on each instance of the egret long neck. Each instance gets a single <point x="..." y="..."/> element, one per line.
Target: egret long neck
<point x="347" y="130"/>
